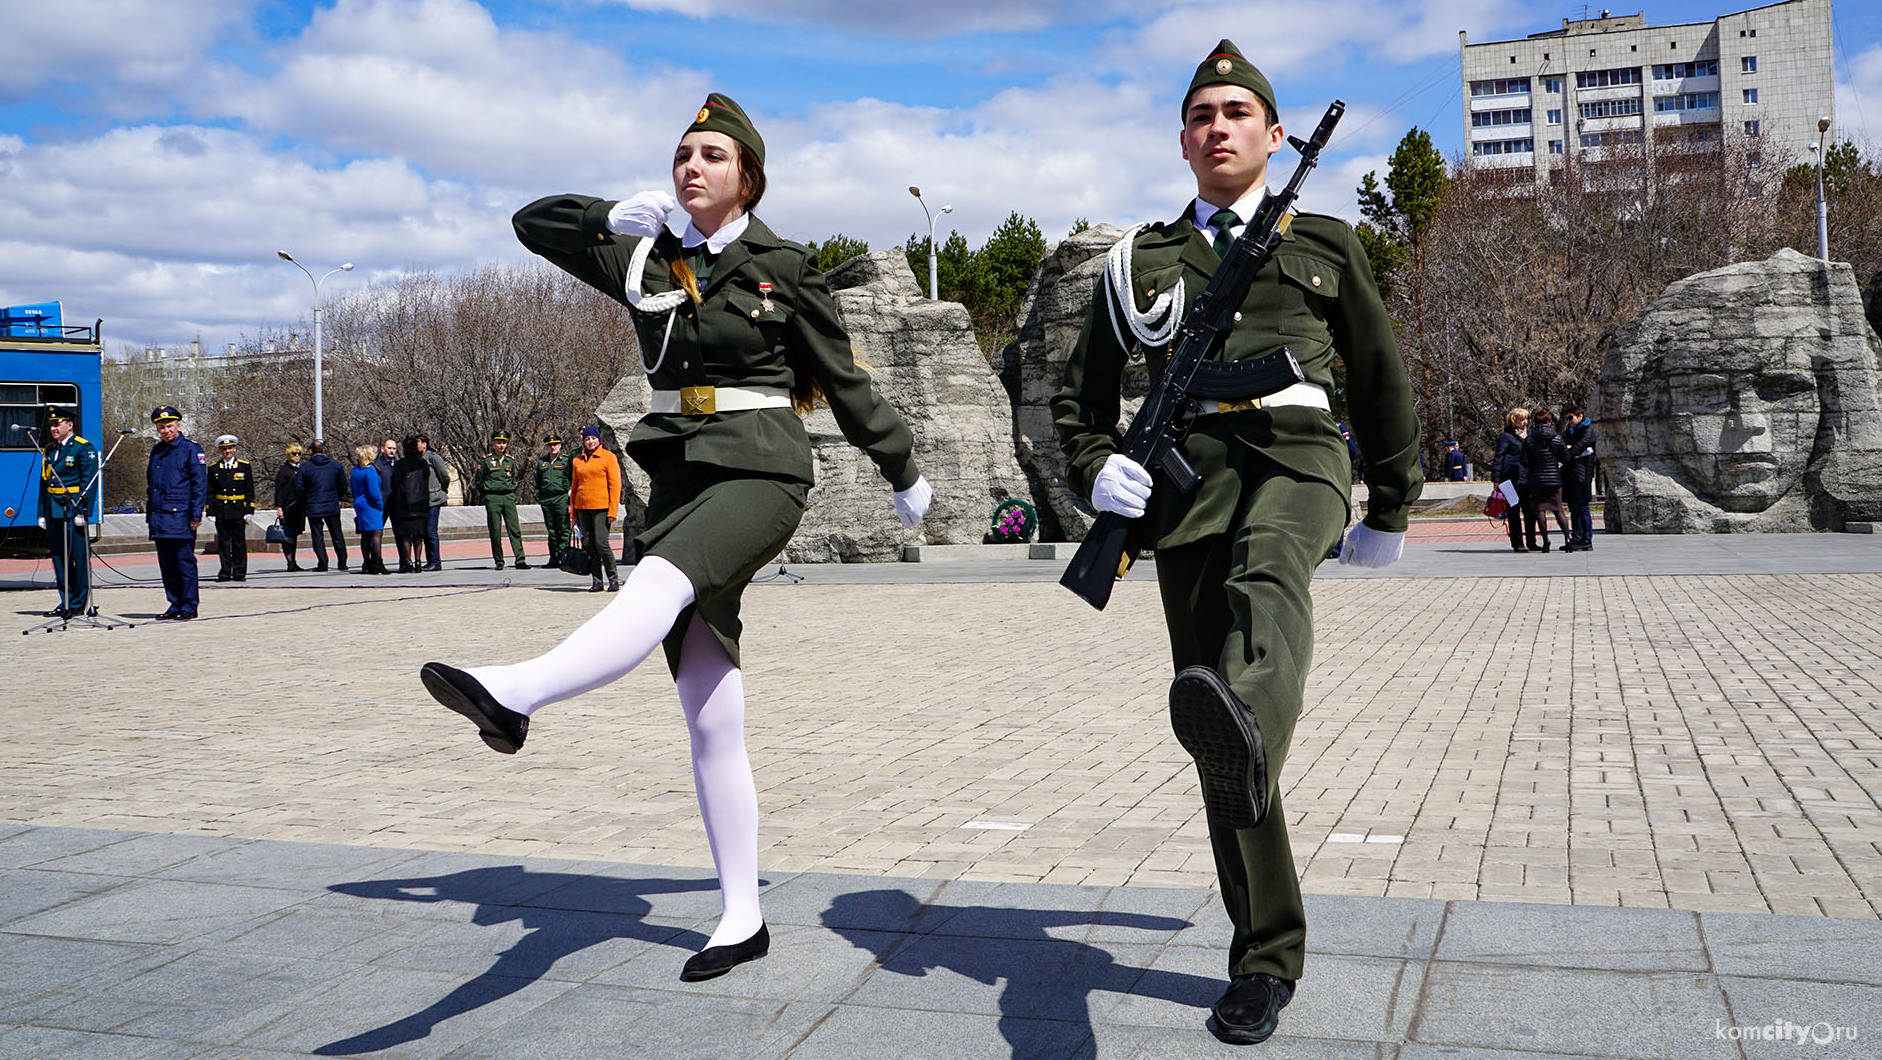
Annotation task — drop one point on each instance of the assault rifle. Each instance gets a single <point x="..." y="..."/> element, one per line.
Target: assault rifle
<point x="1156" y="434"/>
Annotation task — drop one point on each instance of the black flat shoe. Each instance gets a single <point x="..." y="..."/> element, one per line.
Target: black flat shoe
<point x="715" y="961"/>
<point x="522" y="564"/>
<point x="170" y="616"/>
<point x="502" y="728"/>
<point x="1219" y="732"/>
<point x="1250" y="1010"/>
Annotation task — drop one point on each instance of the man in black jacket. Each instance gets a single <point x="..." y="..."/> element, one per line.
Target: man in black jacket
<point x="1578" y="437"/>
<point x="1544" y="454"/>
<point x="324" y="489"/>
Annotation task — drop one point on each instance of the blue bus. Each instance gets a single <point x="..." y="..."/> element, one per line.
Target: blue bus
<point x="43" y="362"/>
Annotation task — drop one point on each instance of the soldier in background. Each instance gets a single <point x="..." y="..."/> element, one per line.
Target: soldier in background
<point x="177" y="485"/>
<point x="231" y="502"/>
<point x="496" y="481"/>
<point x="71" y="463"/>
<point x="552" y="492"/>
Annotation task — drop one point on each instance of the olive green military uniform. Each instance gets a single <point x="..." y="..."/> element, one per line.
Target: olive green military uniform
<point x="1234" y="559"/>
<point x="496" y="480"/>
<point x="729" y="488"/>
<point x="552" y="492"/>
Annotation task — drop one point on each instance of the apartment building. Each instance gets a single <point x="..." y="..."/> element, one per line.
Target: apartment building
<point x="1762" y="78"/>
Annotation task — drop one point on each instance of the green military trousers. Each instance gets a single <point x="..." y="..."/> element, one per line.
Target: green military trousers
<point x="499" y="512"/>
<point x="1238" y="602"/>
<point x="555" y="520"/>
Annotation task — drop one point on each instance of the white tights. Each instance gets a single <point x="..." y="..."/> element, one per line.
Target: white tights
<point x="712" y="695"/>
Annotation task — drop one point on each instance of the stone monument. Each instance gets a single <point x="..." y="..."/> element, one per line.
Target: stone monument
<point x="924" y="360"/>
<point x="1050" y="317"/>
<point x="1745" y="399"/>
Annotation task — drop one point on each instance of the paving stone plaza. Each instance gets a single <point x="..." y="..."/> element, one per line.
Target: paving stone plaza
<point x="1619" y="804"/>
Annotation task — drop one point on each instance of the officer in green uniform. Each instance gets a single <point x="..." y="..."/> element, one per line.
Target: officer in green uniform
<point x="65" y="491"/>
<point x="552" y="492"/>
<point x="1234" y="559"/>
<point x="496" y="480"/>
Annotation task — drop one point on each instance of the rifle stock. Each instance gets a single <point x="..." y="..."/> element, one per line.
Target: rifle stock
<point x="1101" y="559"/>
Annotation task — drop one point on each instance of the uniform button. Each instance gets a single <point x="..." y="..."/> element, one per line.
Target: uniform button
<point x="1150" y="292"/>
<point x="1316" y="281"/>
<point x="686" y="364"/>
<point x="1238" y="317"/>
<point x="754" y="314"/>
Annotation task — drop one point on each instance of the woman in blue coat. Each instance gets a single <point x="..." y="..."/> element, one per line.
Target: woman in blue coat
<point x="369" y="509"/>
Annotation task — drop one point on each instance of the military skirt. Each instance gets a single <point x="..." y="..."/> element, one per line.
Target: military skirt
<point x="719" y="526"/>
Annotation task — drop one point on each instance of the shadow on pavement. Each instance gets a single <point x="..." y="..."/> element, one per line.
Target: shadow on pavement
<point x="588" y="910"/>
<point x="1045" y="1006"/>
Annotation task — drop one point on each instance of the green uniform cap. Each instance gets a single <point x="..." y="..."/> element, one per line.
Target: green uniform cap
<point x="721" y="115"/>
<point x="1227" y="66"/>
<point x="553" y="439"/>
<point x="500" y="436"/>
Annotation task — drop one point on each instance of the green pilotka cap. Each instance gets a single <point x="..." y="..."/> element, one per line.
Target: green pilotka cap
<point x="1227" y="66"/>
<point x="721" y="115"/>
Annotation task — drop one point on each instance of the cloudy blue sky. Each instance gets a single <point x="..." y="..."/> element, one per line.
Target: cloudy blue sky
<point x="154" y="154"/>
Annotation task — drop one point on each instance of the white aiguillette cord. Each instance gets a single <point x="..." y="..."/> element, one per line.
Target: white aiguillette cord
<point x="664" y="302"/>
<point x="1168" y="307"/>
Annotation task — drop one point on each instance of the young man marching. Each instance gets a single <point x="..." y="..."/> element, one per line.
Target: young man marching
<point x="1234" y="559"/>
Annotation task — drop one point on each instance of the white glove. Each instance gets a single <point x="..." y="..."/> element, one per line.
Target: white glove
<point x="912" y="503"/>
<point x="1366" y="547"/>
<point x="1123" y="487"/>
<point x="643" y="215"/>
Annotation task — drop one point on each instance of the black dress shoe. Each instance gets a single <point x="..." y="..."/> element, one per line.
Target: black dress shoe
<point x="434" y="566"/>
<point x="225" y="577"/>
<point x="522" y="564"/>
<point x="68" y="612"/>
<point x="185" y="616"/>
<point x="614" y="585"/>
<point x="293" y="566"/>
<point x="714" y="961"/>
<point x="170" y="616"/>
<point x="502" y="728"/>
<point x="1219" y="732"/>
<point x="1251" y="1008"/>
<point x="499" y="564"/>
<point x="320" y="568"/>
<point x="594" y="584"/>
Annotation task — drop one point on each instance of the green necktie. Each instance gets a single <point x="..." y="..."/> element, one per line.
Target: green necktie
<point x="701" y="259"/>
<point x="1222" y="221"/>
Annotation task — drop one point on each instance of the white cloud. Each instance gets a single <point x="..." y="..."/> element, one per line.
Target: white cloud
<point x="900" y="19"/>
<point x="86" y="43"/>
<point x="439" y="83"/>
<point x="1283" y="37"/>
<point x="168" y="230"/>
<point x="1859" y="99"/>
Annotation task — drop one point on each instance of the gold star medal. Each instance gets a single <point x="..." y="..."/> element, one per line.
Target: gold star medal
<point x="764" y="290"/>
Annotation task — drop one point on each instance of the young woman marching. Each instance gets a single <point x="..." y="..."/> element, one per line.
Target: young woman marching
<point x="739" y="336"/>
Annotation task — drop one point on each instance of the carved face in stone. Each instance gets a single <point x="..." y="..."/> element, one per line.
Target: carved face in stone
<point x="1743" y="436"/>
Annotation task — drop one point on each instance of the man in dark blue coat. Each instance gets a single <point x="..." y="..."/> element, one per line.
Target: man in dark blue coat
<point x="178" y="484"/>
<point x="324" y="488"/>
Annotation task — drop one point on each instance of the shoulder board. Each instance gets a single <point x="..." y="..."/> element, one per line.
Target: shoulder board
<point x="76" y="438"/>
<point x="800" y="248"/>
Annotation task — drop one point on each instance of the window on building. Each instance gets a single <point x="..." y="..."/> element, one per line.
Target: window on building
<point x="1748" y="64"/>
<point x="1501" y="86"/>
<point x="1751" y="127"/>
<point x="1552" y="84"/>
<point x="1555" y="147"/>
<point x="1676" y="71"/>
<point x="1482" y="118"/>
<point x="1555" y="117"/>
<point x="1612" y="139"/>
<point x="1503" y="147"/>
<point x="1611" y="108"/>
<point x="1751" y="95"/>
<point x="1685" y="101"/>
<point x="1625" y="75"/>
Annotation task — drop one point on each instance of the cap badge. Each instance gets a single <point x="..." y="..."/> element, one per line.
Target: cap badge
<point x="704" y="113"/>
<point x="1223" y="66"/>
<point x="764" y="289"/>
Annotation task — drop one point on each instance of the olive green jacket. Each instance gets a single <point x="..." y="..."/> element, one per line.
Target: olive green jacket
<point x="731" y="338"/>
<point x="496" y="475"/>
<point x="553" y="474"/>
<point x="1318" y="298"/>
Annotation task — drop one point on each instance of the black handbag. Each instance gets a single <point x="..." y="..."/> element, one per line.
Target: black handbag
<point x="575" y="559"/>
<point x="276" y="534"/>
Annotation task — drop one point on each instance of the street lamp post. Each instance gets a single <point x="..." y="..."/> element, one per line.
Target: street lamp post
<point x="1822" y="147"/>
<point x="934" y="277"/>
<point x="319" y="423"/>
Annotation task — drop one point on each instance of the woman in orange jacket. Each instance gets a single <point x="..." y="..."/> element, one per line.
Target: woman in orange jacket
<point x="594" y="497"/>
